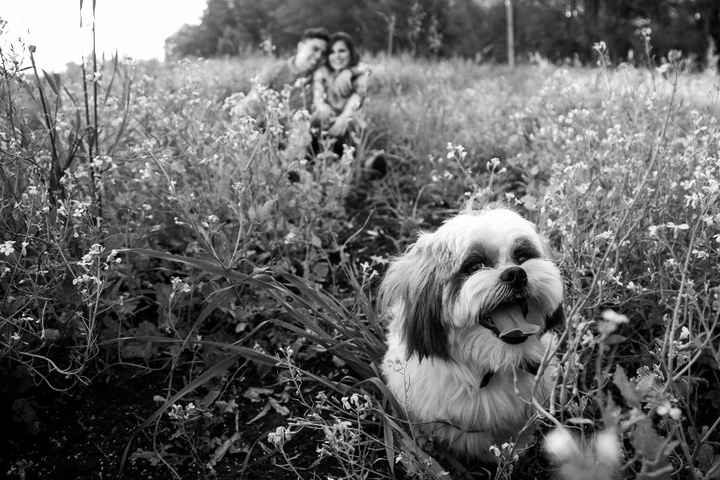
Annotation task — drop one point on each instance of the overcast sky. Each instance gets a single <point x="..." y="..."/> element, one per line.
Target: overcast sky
<point x="136" y="28"/>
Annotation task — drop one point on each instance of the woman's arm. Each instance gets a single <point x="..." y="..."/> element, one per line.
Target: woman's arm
<point x="342" y="122"/>
<point x="361" y="76"/>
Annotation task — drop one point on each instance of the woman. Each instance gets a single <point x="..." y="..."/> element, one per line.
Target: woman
<point x="337" y="108"/>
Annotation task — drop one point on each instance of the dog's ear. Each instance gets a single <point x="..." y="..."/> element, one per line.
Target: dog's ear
<point x="414" y="283"/>
<point x="556" y="320"/>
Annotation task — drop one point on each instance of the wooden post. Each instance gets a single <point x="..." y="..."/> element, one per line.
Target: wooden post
<point x="391" y="33"/>
<point x="390" y="20"/>
<point x="510" y="35"/>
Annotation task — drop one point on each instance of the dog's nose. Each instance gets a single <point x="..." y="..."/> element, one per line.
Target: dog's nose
<point x="515" y="276"/>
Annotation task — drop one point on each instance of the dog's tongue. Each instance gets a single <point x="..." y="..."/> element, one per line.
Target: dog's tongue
<point x="510" y="320"/>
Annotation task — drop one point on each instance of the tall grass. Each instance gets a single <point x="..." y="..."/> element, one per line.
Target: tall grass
<point x="146" y="221"/>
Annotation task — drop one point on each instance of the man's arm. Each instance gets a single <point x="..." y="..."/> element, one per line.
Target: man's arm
<point x="321" y="110"/>
<point x="252" y="104"/>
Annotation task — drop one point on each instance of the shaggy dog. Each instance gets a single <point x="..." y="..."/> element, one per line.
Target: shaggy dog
<point x="469" y="306"/>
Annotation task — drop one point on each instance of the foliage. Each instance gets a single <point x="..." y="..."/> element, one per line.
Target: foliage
<point x="196" y="242"/>
<point x="558" y="30"/>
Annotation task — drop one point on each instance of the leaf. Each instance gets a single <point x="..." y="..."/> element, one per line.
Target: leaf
<point x="626" y="387"/>
<point x="52" y="80"/>
<point x="223" y="449"/>
<point x="140" y="347"/>
<point x="130" y="351"/>
<point x="320" y="271"/>
<point x="281" y="409"/>
<point x="215" y="371"/>
<point x="614" y="339"/>
<point x="705" y="457"/>
<point x="51" y="334"/>
<point x="389" y="444"/>
<point x="207" y="266"/>
<point x="255" y="394"/>
<point x="209" y="398"/>
<point x="260" y="415"/>
<point x="714" y="471"/>
<point x="646" y="384"/>
<point x="265" y="210"/>
<point x="649" y="444"/>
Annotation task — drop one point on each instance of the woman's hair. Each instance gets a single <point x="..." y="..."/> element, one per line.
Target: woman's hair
<point x="348" y="41"/>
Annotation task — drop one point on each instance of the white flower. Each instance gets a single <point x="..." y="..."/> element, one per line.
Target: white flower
<point x="279" y="436"/>
<point x="290" y="237"/>
<point x="95" y="250"/>
<point x="607" y="447"/>
<point x="663" y="409"/>
<point x="177" y="412"/>
<point x="560" y="445"/>
<point x="178" y="285"/>
<point x="614" y="317"/>
<point x="684" y="333"/>
<point x="7" y="248"/>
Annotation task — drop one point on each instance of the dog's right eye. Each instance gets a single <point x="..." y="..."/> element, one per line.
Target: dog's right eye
<point x="472" y="266"/>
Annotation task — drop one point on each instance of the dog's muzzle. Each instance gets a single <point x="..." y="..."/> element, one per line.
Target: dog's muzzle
<point x="509" y="319"/>
<point x="515" y="277"/>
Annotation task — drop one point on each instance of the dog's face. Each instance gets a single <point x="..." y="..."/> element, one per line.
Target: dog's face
<point x="484" y="276"/>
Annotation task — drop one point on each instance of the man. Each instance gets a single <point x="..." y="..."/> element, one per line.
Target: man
<point x="296" y="72"/>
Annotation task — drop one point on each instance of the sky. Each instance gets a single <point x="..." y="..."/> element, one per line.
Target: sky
<point x="135" y="28"/>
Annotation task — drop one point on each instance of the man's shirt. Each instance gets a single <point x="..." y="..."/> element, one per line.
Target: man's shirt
<point x="277" y="76"/>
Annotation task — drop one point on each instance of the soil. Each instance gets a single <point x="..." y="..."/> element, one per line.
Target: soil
<point x="84" y="434"/>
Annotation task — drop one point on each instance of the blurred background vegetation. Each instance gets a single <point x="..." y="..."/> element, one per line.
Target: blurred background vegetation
<point x="559" y="30"/>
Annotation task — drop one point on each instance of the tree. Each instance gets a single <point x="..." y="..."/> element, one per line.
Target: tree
<point x="498" y="30"/>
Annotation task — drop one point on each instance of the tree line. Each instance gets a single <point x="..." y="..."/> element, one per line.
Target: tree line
<point x="559" y="30"/>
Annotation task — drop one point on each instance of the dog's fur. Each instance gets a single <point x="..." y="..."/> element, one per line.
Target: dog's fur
<point x="450" y="298"/>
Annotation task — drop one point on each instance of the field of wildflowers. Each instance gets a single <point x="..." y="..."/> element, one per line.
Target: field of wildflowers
<point x="182" y="297"/>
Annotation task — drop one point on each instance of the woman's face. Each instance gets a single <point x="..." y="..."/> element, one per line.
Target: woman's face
<point x="339" y="56"/>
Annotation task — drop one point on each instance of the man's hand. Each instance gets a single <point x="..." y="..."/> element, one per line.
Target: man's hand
<point x="324" y="113"/>
<point x="343" y="83"/>
<point x="340" y="126"/>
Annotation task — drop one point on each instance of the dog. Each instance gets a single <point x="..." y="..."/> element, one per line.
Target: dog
<point x="470" y="308"/>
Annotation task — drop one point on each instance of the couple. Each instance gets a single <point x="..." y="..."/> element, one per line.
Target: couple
<point x="339" y="88"/>
<point x="326" y="79"/>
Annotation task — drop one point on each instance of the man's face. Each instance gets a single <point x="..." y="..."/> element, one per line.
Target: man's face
<point x="309" y="53"/>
